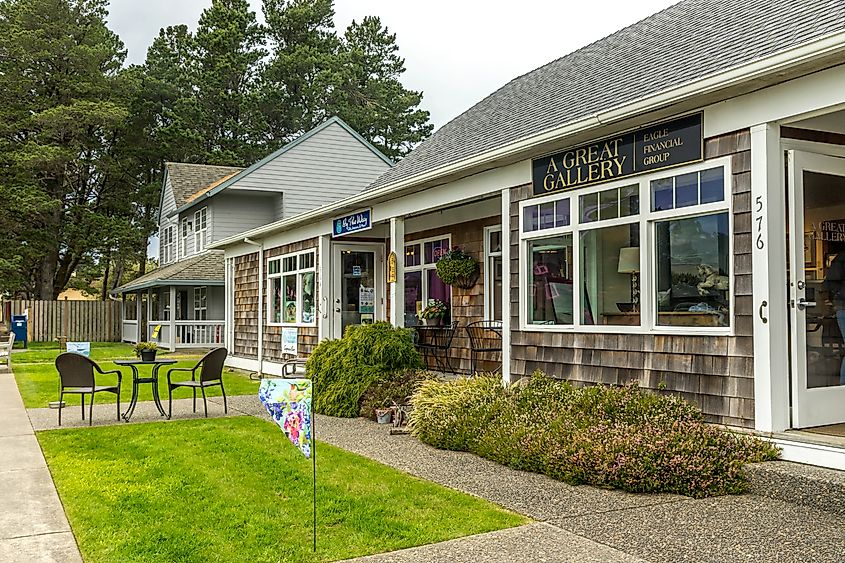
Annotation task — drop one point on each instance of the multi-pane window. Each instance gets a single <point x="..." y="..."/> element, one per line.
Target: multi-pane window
<point x="664" y="265"/>
<point x="168" y="245"/>
<point x="493" y="273"/>
<point x="200" y="303"/>
<point x="421" y="280"/>
<point x="292" y="286"/>
<point x="183" y="239"/>
<point x="200" y="229"/>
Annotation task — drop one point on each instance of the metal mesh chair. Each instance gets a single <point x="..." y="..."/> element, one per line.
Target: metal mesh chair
<point x="435" y="342"/>
<point x="484" y="337"/>
<point x="76" y="376"/>
<point x="210" y="369"/>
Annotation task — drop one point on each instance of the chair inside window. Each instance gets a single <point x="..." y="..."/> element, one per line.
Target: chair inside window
<point x="485" y="337"/>
<point x="77" y="376"/>
<point x="210" y="370"/>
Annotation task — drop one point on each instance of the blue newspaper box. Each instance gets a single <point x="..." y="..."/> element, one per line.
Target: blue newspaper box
<point x="19" y="327"/>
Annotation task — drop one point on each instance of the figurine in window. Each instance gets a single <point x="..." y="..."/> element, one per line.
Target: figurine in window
<point x="834" y="284"/>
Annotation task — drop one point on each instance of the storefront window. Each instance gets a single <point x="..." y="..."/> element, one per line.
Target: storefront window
<point x="675" y="251"/>
<point x="693" y="271"/>
<point x="610" y="259"/>
<point x="550" y="281"/>
<point x="292" y="287"/>
<point x="421" y="280"/>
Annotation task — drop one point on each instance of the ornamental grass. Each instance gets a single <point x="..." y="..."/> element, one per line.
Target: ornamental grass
<point x="614" y="437"/>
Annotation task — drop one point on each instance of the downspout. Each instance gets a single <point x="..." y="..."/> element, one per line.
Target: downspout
<point x="260" y="246"/>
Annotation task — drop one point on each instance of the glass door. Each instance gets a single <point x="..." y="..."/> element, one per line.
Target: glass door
<point x="358" y="293"/>
<point x="817" y="288"/>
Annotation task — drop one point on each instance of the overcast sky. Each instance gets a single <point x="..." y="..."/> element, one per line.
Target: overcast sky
<point x="456" y="51"/>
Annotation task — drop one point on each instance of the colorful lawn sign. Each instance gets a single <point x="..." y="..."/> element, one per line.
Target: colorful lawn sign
<point x="289" y="403"/>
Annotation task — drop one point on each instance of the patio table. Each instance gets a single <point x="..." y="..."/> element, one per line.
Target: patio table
<point x="137" y="380"/>
<point x="436" y="341"/>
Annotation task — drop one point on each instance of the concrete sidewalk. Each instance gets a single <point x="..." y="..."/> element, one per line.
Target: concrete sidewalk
<point x="33" y="525"/>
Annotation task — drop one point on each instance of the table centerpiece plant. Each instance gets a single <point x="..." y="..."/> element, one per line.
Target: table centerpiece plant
<point x="146" y="351"/>
<point x="434" y="312"/>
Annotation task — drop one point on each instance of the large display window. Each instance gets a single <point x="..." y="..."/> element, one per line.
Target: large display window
<point x="652" y="254"/>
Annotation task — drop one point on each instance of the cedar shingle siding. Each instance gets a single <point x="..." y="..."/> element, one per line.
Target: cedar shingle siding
<point x="713" y="372"/>
<point x="246" y="306"/>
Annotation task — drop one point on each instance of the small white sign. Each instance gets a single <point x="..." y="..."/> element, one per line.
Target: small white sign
<point x="83" y="348"/>
<point x="366" y="300"/>
<point x="356" y="271"/>
<point x="289" y="340"/>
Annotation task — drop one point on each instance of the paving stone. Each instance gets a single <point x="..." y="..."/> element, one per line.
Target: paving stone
<point x="29" y="504"/>
<point x="532" y="543"/>
<point x="44" y="548"/>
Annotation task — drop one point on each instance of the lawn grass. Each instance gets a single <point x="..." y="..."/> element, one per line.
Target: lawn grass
<point x="41" y="352"/>
<point x="236" y="490"/>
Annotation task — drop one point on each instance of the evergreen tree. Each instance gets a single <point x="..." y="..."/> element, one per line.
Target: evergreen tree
<point x="61" y="111"/>
<point x="372" y="99"/>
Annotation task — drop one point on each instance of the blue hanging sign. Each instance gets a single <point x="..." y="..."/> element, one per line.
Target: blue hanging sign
<point x="358" y="221"/>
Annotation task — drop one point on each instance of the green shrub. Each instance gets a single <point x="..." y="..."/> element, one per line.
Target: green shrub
<point x="342" y="370"/>
<point x="395" y="387"/>
<point x="618" y="437"/>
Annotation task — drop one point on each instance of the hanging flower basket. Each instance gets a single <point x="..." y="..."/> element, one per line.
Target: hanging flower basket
<point x="457" y="268"/>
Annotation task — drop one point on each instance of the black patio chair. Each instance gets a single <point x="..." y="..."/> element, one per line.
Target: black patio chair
<point x="484" y="337"/>
<point x="210" y="369"/>
<point x="76" y="376"/>
<point x="435" y="342"/>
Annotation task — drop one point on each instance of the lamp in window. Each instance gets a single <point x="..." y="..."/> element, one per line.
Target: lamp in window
<point x="629" y="263"/>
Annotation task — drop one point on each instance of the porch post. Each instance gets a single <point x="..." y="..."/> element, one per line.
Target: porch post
<point x="768" y="265"/>
<point x="139" y="317"/>
<point x="506" y="286"/>
<point x="149" y="313"/>
<point x="172" y="330"/>
<point x="397" y="288"/>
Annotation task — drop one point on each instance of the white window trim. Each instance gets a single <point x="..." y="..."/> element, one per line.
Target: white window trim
<point x="488" y="271"/>
<point x="197" y="303"/>
<point x="183" y="237"/>
<point x="167" y="243"/>
<point x="646" y="219"/>
<point x="422" y="267"/>
<point x="200" y="233"/>
<point x="298" y="273"/>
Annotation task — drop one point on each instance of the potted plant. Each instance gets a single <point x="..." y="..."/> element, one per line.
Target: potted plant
<point x="458" y="268"/>
<point x="434" y="312"/>
<point x="146" y="351"/>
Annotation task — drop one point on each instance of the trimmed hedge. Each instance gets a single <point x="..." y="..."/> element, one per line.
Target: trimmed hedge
<point x="342" y="370"/>
<point x="615" y="437"/>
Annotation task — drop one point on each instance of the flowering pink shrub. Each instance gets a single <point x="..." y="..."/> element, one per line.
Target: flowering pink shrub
<point x="617" y="437"/>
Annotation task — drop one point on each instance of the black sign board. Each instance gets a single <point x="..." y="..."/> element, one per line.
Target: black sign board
<point x="655" y="147"/>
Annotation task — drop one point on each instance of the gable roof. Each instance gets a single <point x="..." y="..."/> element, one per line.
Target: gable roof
<point x="686" y="42"/>
<point x="188" y="179"/>
<point x="223" y="183"/>
<point x="203" y="269"/>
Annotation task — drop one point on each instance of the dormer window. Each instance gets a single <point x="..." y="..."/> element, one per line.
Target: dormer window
<point x="200" y="229"/>
<point x="168" y="244"/>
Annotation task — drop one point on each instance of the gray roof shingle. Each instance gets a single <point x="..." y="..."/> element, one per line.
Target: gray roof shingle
<point x="188" y="179"/>
<point x="683" y="43"/>
<point x="207" y="267"/>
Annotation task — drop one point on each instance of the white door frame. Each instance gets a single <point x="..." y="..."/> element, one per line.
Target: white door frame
<point x="378" y="264"/>
<point x="822" y="405"/>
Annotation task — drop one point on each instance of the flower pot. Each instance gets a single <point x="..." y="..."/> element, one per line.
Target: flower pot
<point x="384" y="416"/>
<point x="148" y="355"/>
<point x="466" y="282"/>
<point x="434" y="321"/>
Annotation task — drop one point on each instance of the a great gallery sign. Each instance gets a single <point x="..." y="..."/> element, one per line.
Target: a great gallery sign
<point x="655" y="147"/>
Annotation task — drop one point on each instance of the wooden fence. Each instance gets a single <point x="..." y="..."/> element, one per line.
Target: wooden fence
<point x="86" y="321"/>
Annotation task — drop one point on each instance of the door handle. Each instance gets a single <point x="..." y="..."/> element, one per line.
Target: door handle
<point x="803" y="304"/>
